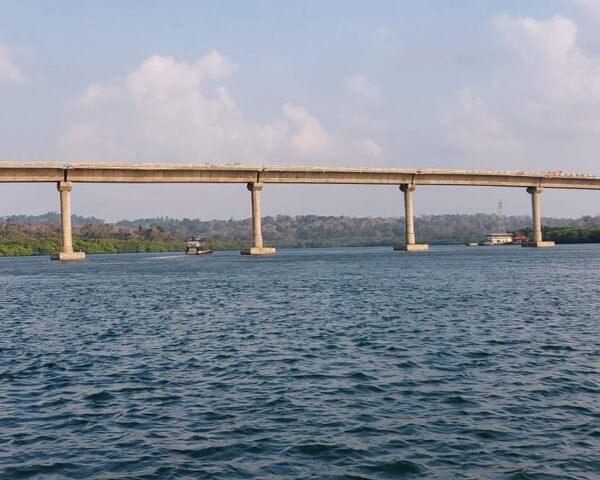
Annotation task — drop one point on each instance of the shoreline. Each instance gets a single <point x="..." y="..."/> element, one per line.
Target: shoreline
<point x="300" y="247"/>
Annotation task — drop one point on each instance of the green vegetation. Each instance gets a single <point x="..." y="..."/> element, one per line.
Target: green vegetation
<point x="571" y="234"/>
<point x="27" y="237"/>
<point x="41" y="235"/>
<point x="319" y="231"/>
<point x="46" y="246"/>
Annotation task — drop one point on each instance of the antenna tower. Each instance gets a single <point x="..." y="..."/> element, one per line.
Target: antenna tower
<point x="501" y="225"/>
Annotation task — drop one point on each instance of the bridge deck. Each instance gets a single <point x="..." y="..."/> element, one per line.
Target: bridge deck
<point x="234" y="173"/>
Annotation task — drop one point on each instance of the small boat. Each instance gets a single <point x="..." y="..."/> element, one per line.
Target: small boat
<point x="500" y="236"/>
<point x="196" y="247"/>
<point x="493" y="239"/>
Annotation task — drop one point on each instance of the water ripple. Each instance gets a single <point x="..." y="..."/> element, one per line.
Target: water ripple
<point x="330" y="363"/>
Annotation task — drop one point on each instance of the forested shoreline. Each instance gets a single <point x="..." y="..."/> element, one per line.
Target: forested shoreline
<point x="40" y="235"/>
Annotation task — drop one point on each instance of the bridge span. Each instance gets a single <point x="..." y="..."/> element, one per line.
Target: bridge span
<point x="255" y="177"/>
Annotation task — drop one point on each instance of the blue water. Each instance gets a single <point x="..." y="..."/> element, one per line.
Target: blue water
<point x="325" y="363"/>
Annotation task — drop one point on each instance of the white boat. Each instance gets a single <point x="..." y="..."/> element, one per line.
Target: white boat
<point x="501" y="236"/>
<point x="196" y="247"/>
<point x="493" y="239"/>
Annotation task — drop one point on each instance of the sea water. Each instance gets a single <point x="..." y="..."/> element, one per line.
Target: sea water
<point x="314" y="363"/>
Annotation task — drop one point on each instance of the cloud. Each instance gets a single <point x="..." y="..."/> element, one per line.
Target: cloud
<point x="543" y="99"/>
<point x="471" y="127"/>
<point x="311" y="138"/>
<point x="551" y="40"/>
<point x="9" y="72"/>
<point x="216" y="66"/>
<point x="590" y="6"/>
<point x="369" y="147"/>
<point x="359" y="86"/>
<point x="360" y="121"/>
<point x="163" y="78"/>
<point x="554" y="85"/>
<point x="95" y="95"/>
<point x="167" y="110"/>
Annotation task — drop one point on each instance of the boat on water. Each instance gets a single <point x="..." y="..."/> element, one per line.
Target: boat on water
<point x="501" y="236"/>
<point x="493" y="239"/>
<point x="496" y="239"/>
<point x="195" y="246"/>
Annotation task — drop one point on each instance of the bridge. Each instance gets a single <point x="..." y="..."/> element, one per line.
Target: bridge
<point x="255" y="177"/>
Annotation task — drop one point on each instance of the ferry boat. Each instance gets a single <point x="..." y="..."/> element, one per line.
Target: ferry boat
<point x="493" y="239"/>
<point x="501" y="236"/>
<point x="195" y="247"/>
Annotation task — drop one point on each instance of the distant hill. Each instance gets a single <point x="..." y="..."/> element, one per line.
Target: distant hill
<point x="313" y="229"/>
<point x="50" y="217"/>
<point x="40" y="234"/>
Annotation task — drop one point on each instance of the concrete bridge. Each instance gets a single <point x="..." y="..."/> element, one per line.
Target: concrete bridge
<point x="255" y="177"/>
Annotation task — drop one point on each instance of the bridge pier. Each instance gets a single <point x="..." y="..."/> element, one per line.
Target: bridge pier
<point x="258" y="248"/>
<point x="409" y="219"/>
<point x="537" y="241"/>
<point x="66" y="251"/>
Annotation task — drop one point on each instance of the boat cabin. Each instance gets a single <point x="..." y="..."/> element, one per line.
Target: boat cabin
<point x="498" y="238"/>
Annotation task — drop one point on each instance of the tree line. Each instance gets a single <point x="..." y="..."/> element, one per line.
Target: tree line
<point x="40" y="235"/>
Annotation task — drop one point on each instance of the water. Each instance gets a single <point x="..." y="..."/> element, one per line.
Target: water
<point x="333" y="363"/>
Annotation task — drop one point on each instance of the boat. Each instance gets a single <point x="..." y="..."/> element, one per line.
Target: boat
<point x="500" y="236"/>
<point x="195" y="246"/>
<point x="493" y="239"/>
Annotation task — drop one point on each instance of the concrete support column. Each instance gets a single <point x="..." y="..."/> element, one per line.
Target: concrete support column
<point x="257" y="249"/>
<point x="255" y="189"/>
<point x="537" y="214"/>
<point x="537" y="219"/>
<point x="66" y="251"/>
<point x="409" y="219"/>
<point x="65" y="216"/>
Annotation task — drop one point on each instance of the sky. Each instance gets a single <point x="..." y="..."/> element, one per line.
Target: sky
<point x="507" y="85"/>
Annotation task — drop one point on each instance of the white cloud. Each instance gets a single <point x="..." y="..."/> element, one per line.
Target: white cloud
<point x="216" y="66"/>
<point x="554" y="84"/>
<point x="551" y="40"/>
<point x="359" y="121"/>
<point x="359" y="86"/>
<point x="471" y="127"/>
<point x="9" y="72"/>
<point x="591" y="6"/>
<point x="96" y="94"/>
<point x="311" y="137"/>
<point x="544" y="99"/>
<point x="92" y="142"/>
<point x="362" y="119"/>
<point x="170" y="111"/>
<point x="369" y="147"/>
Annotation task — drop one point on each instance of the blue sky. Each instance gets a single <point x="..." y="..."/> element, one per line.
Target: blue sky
<point x="449" y="84"/>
